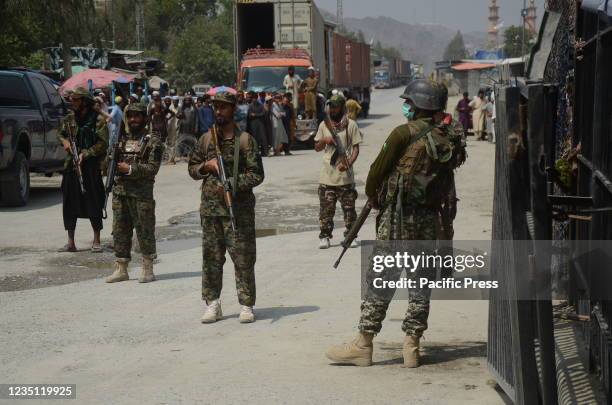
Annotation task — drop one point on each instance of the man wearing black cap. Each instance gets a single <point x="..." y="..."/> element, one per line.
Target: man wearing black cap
<point x="243" y="168"/>
<point x="89" y="131"/>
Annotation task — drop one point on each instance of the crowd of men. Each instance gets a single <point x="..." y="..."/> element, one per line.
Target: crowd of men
<point x="478" y="115"/>
<point x="411" y="183"/>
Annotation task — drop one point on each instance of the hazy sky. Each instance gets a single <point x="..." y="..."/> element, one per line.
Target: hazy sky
<point x="466" y="15"/>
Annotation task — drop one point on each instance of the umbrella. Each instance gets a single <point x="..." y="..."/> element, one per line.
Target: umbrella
<point x="221" y="89"/>
<point x="99" y="79"/>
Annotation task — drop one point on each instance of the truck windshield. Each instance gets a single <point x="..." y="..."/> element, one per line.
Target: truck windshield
<point x="381" y="75"/>
<point x="13" y="92"/>
<point x="269" y="78"/>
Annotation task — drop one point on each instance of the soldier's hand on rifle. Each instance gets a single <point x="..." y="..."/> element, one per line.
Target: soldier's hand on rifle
<point x="123" y="167"/>
<point x="342" y="166"/>
<point x="66" y="145"/>
<point x="81" y="158"/>
<point x="211" y="166"/>
<point x="373" y="202"/>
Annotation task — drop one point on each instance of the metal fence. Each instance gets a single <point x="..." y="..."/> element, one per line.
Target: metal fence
<point x="569" y="110"/>
<point x="593" y="133"/>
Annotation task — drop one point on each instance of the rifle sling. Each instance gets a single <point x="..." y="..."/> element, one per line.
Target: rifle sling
<point x="237" y="135"/>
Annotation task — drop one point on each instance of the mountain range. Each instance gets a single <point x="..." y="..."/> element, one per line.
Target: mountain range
<point x="418" y="43"/>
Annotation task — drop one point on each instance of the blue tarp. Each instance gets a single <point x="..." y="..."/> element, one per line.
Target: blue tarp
<point x="489" y="55"/>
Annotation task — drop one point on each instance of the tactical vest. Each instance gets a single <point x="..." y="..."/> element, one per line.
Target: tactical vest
<point x="422" y="175"/>
<point x="135" y="150"/>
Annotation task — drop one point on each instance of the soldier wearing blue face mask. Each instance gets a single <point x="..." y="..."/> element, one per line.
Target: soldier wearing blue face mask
<point x="408" y="183"/>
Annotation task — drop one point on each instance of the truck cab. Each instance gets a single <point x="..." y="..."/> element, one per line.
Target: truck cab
<point x="31" y="111"/>
<point x="264" y="70"/>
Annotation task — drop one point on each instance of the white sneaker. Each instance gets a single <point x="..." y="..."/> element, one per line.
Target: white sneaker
<point x="213" y="312"/>
<point x="324" y="243"/>
<point x="355" y="243"/>
<point x="246" y="315"/>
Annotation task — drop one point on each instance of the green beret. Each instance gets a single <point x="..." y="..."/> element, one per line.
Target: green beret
<point x="81" y="92"/>
<point x="337" y="101"/>
<point x="225" y="97"/>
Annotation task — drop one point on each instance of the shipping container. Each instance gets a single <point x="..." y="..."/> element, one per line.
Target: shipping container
<point x="349" y="63"/>
<point x="280" y="25"/>
<point x="404" y="71"/>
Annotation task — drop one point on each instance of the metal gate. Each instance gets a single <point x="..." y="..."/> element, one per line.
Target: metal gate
<point x="593" y="127"/>
<point x="521" y="344"/>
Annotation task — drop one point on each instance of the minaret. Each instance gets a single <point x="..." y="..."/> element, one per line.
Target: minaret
<point x="531" y="18"/>
<point x="493" y="39"/>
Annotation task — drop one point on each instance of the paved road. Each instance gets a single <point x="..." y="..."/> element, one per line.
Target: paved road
<point x="132" y="343"/>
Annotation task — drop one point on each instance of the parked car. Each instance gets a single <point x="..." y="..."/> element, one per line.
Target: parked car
<point x="31" y="111"/>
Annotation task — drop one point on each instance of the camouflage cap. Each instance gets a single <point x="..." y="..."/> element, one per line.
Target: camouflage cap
<point x="136" y="107"/>
<point x="81" y="92"/>
<point x="337" y="101"/>
<point x="225" y="97"/>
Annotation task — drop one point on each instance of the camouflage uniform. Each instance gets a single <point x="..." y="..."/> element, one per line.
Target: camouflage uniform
<point x="133" y="203"/>
<point x="217" y="235"/>
<point x="328" y="195"/>
<point x="406" y="170"/>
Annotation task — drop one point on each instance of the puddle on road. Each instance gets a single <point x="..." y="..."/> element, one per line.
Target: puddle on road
<point x="182" y="232"/>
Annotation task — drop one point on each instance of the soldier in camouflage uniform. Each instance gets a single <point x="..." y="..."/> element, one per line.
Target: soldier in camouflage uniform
<point x="413" y="174"/>
<point x="90" y="134"/>
<point x="244" y="170"/>
<point x="133" y="203"/>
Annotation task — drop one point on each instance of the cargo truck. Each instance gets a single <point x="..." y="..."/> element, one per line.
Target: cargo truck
<point x="391" y="72"/>
<point x="404" y="71"/>
<point x="267" y="31"/>
<point x="349" y="69"/>
<point x="271" y="35"/>
<point x="385" y="73"/>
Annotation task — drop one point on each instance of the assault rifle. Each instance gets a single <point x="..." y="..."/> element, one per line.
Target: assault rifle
<point x="341" y="154"/>
<point x="227" y="189"/>
<point x="350" y="237"/>
<point x="115" y="157"/>
<point x="76" y="163"/>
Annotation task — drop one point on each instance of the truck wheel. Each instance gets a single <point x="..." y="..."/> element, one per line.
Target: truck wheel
<point x="15" y="189"/>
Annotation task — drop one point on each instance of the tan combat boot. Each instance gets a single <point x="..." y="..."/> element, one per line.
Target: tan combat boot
<point x="120" y="273"/>
<point x="358" y="352"/>
<point x="246" y="315"/>
<point x="146" y="275"/>
<point x="411" y="351"/>
<point x="213" y="312"/>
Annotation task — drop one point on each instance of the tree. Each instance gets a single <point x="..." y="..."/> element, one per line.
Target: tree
<point x="361" y="37"/>
<point x="29" y="25"/>
<point x="455" y="50"/>
<point x="513" y="41"/>
<point x="202" y="52"/>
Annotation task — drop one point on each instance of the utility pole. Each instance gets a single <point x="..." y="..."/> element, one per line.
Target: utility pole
<point x="524" y="16"/>
<point x="140" y="25"/>
<point x="112" y="12"/>
<point x="339" y="14"/>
